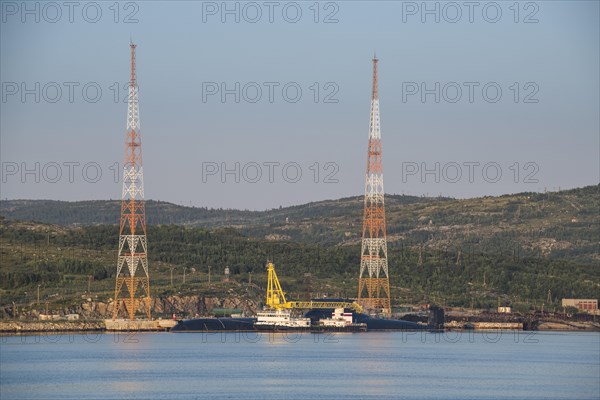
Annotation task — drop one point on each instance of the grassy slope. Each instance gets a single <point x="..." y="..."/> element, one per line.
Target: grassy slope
<point x="512" y="248"/>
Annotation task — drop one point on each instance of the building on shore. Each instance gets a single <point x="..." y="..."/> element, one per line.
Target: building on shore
<point x="587" y="305"/>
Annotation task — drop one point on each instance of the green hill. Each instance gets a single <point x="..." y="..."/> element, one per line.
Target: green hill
<point x="557" y="224"/>
<point x="526" y="249"/>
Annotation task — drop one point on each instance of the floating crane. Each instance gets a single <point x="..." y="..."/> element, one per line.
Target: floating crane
<point x="276" y="297"/>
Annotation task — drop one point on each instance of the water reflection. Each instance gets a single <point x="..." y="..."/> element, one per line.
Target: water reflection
<point x="276" y="366"/>
<point x="128" y="386"/>
<point x="124" y="362"/>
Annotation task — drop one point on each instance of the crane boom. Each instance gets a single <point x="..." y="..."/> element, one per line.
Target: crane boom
<point x="276" y="296"/>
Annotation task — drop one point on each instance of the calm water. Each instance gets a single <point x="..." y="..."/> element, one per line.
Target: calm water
<point x="308" y="366"/>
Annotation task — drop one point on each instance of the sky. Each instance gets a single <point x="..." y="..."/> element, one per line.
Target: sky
<point x="256" y="105"/>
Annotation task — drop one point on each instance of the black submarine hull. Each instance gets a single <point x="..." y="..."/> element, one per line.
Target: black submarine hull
<point x="373" y="324"/>
<point x="248" y="324"/>
<point x="380" y="324"/>
<point x="215" y="324"/>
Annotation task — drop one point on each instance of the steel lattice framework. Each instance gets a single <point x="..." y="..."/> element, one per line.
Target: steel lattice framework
<point x="373" y="281"/>
<point x="133" y="246"/>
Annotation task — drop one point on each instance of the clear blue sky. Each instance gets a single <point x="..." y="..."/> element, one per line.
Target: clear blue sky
<point x="184" y="46"/>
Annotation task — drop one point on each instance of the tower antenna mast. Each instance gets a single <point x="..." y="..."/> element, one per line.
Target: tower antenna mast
<point x="373" y="281"/>
<point x="132" y="288"/>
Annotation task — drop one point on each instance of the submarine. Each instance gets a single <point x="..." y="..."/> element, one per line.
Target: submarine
<point x="373" y="323"/>
<point x="340" y="319"/>
<point x="215" y="324"/>
<point x="315" y="315"/>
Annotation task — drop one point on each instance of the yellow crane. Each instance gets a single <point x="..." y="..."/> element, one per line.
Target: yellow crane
<point x="276" y="296"/>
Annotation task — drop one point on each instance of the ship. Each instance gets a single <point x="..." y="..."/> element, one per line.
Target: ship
<point x="275" y="320"/>
<point x="367" y="323"/>
<point x="360" y="323"/>
<point x="341" y="320"/>
<point x="339" y="315"/>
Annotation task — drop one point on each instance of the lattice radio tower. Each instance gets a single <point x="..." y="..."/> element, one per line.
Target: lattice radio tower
<point x="373" y="281"/>
<point x="133" y="245"/>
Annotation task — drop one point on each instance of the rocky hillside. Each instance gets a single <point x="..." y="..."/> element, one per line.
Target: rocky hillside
<point x="183" y="306"/>
<point x="527" y="250"/>
<point x="554" y="224"/>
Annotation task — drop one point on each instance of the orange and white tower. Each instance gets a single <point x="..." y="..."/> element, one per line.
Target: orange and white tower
<point x="373" y="281"/>
<point x="132" y="261"/>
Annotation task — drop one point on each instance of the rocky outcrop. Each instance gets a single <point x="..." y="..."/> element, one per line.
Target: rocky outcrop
<point x="165" y="306"/>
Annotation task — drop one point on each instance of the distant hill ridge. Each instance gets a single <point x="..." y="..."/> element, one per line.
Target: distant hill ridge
<point x="94" y="212"/>
<point x="561" y="224"/>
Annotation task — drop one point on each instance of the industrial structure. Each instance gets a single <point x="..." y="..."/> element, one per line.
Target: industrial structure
<point x="373" y="281"/>
<point x="132" y="288"/>
<point x="339" y="315"/>
<point x="276" y="297"/>
<point x="586" y="305"/>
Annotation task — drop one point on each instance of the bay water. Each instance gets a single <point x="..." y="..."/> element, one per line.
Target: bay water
<point x="372" y="365"/>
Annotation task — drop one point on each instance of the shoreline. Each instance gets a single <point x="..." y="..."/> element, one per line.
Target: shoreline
<point x="29" y="327"/>
<point x="8" y="327"/>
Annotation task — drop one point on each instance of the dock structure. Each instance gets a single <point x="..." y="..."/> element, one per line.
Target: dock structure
<point x="125" y="325"/>
<point x="484" y="325"/>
